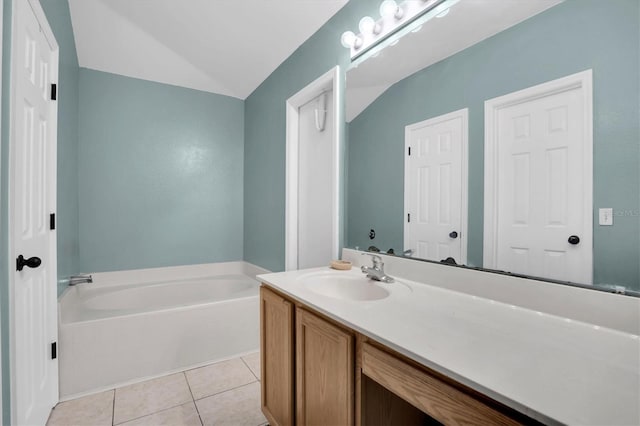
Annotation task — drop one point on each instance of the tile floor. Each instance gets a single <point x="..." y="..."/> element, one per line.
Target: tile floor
<point x="224" y="393"/>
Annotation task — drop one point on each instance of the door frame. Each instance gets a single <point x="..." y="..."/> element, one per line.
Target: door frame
<point x="463" y="114"/>
<point x="328" y="81"/>
<point x="582" y="80"/>
<point x="51" y="182"/>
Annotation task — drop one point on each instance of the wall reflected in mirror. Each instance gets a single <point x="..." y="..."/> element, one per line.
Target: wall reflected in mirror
<point x="483" y="50"/>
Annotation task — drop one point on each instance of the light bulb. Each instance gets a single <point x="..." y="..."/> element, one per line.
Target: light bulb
<point x="388" y="8"/>
<point x="349" y="40"/>
<point x="368" y="26"/>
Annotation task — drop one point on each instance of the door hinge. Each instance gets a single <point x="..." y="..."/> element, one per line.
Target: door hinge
<point x="54" y="91"/>
<point x="408" y="217"/>
<point x="52" y="221"/>
<point x="54" y="350"/>
<point x="409" y="151"/>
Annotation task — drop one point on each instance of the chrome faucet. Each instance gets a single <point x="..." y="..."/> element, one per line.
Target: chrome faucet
<point x="377" y="271"/>
<point x="80" y="279"/>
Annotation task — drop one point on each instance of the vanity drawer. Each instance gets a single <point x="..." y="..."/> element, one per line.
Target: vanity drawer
<point x="435" y="397"/>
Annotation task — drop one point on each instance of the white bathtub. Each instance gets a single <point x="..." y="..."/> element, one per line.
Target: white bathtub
<point x="130" y="326"/>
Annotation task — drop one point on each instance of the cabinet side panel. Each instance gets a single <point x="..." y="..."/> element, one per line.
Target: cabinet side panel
<point x="276" y="358"/>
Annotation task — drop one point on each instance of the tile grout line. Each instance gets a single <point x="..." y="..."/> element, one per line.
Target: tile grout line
<point x="159" y="411"/>
<point x="254" y="374"/>
<point x="192" y="397"/>
<point x="227" y="390"/>
<point x="152" y="414"/>
<point x="113" y="408"/>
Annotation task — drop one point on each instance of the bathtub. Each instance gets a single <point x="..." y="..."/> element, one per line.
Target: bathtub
<point x="129" y="326"/>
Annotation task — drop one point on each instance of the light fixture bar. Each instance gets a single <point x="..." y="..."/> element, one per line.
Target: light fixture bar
<point x="393" y="17"/>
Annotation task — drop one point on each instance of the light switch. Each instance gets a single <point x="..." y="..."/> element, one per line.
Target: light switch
<point x="606" y="216"/>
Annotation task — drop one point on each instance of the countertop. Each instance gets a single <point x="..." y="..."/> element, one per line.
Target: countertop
<point x="553" y="369"/>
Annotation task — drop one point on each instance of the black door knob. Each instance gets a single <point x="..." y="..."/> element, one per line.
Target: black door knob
<point x="574" y="239"/>
<point x="32" y="262"/>
<point x="453" y="234"/>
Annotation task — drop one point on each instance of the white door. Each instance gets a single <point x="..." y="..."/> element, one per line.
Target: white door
<point x="315" y="185"/>
<point x="33" y="195"/>
<point x="313" y="163"/>
<point x="543" y="185"/>
<point x="435" y="187"/>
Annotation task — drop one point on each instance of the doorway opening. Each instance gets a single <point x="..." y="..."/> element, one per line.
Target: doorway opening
<point x="312" y="226"/>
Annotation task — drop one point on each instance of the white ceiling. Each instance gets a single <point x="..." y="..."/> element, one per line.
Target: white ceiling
<point x="467" y="23"/>
<point x="220" y="46"/>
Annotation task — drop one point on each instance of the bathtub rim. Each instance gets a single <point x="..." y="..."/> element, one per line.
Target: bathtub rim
<point x="125" y="278"/>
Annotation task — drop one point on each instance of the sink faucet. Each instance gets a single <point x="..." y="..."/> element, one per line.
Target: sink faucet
<point x="377" y="271"/>
<point x="80" y="279"/>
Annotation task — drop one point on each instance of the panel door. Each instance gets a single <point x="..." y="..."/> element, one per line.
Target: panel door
<point x="434" y="182"/>
<point x="276" y="358"/>
<point x="35" y="384"/>
<point x="541" y="189"/>
<point x="324" y="372"/>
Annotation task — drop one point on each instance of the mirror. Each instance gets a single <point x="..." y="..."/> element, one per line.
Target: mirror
<point x="483" y="50"/>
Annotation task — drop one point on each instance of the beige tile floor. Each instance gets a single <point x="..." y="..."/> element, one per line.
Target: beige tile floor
<point x="224" y="393"/>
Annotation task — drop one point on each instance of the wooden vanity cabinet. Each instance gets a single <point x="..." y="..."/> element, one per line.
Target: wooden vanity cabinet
<point x="316" y="371"/>
<point x="276" y="358"/>
<point x="319" y="380"/>
<point x="324" y="372"/>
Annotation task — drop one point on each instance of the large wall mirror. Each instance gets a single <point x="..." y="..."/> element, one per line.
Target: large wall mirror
<point x="464" y="87"/>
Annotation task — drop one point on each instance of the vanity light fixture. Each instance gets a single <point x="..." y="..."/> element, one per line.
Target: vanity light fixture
<point x="389" y="8"/>
<point x="394" y="17"/>
<point x="350" y="40"/>
<point x="369" y="25"/>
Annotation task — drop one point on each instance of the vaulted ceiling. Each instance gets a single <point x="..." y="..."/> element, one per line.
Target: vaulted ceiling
<point x="227" y="47"/>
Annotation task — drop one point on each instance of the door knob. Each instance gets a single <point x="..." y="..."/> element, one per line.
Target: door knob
<point x="574" y="239"/>
<point x="453" y="234"/>
<point x="32" y="262"/>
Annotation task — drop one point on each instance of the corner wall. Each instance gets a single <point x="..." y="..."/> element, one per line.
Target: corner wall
<point x="59" y="18"/>
<point x="160" y="174"/>
<point x="265" y="133"/>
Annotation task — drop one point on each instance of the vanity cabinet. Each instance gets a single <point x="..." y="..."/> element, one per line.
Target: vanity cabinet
<point x="340" y="377"/>
<point x="324" y="371"/>
<point x="319" y="365"/>
<point x="277" y="358"/>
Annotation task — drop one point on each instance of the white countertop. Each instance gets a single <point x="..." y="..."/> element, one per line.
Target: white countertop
<point x="553" y="369"/>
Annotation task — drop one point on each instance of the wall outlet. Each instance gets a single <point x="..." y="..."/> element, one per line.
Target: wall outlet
<point x="606" y="216"/>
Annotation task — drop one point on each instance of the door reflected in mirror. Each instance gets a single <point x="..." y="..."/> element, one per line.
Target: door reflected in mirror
<point x="537" y="171"/>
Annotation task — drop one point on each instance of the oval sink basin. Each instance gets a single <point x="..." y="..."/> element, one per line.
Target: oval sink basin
<point x="346" y="286"/>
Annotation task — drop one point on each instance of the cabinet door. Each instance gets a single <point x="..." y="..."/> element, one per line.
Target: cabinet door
<point x="324" y="372"/>
<point x="276" y="358"/>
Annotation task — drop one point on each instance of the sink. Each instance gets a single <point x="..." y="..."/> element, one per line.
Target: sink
<point x="348" y="286"/>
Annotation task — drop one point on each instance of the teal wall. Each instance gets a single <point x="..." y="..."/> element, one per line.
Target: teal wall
<point x="59" y="18"/>
<point x="571" y="37"/>
<point x="4" y="211"/>
<point x="160" y="174"/>
<point x="264" y="158"/>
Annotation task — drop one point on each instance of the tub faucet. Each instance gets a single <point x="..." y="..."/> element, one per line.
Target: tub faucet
<point x="377" y="271"/>
<point x="80" y="279"/>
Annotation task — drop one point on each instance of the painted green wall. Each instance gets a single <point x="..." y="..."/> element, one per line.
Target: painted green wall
<point x="264" y="158"/>
<point x="4" y="211"/>
<point x="571" y="37"/>
<point x="59" y="18"/>
<point x="160" y="174"/>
